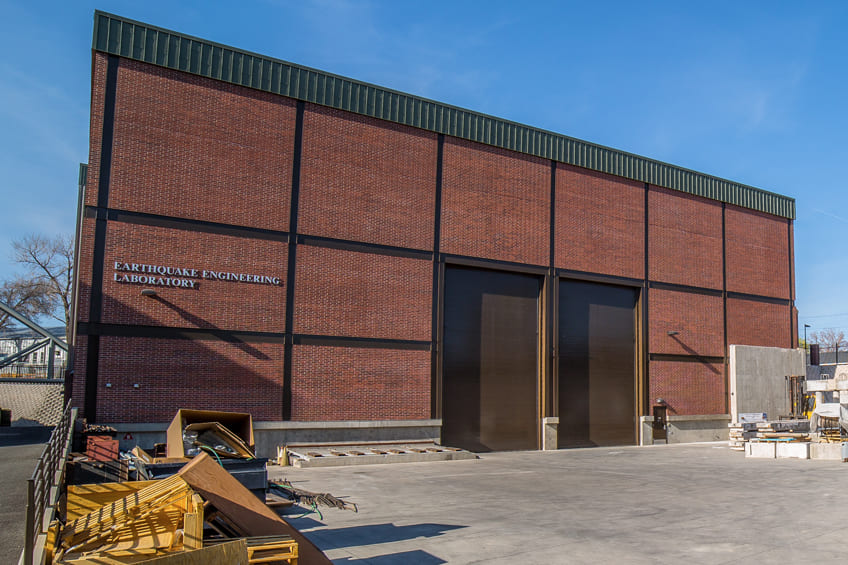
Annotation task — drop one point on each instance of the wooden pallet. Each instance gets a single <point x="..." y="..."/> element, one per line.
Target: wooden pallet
<point x="162" y="517"/>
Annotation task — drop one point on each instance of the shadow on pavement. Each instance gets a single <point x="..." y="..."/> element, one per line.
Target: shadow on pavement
<point x="401" y="558"/>
<point x="24" y="435"/>
<point x="380" y="533"/>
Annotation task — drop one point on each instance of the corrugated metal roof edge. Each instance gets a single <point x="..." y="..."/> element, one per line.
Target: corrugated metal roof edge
<point x="118" y="36"/>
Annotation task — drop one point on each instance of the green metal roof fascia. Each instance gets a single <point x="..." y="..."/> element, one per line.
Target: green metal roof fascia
<point x="141" y="42"/>
<point x="83" y="173"/>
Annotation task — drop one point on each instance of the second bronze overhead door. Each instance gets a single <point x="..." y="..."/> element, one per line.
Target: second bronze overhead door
<point x="597" y="364"/>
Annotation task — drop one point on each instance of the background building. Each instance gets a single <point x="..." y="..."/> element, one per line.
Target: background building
<point x="332" y="256"/>
<point x="35" y="364"/>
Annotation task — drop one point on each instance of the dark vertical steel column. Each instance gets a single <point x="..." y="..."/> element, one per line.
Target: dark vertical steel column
<point x="438" y="294"/>
<point x="96" y="297"/>
<point x="550" y="405"/>
<point x="292" y="263"/>
<point x="646" y="365"/>
<point x="724" y="305"/>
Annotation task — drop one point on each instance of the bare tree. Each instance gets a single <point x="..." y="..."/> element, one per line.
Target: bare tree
<point x="829" y="339"/>
<point x="49" y="263"/>
<point x="30" y="298"/>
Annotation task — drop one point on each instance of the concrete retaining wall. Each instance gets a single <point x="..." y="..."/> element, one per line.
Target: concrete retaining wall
<point x="758" y="379"/>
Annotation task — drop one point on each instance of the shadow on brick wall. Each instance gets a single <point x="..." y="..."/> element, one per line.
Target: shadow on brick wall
<point x="145" y="377"/>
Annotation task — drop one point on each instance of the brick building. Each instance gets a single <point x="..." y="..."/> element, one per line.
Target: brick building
<point x="341" y="260"/>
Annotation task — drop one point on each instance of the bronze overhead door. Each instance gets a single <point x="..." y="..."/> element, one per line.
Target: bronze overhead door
<point x="490" y="363"/>
<point x="597" y="364"/>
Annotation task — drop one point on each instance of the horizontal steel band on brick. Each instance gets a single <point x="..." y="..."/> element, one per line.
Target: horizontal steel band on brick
<point x="361" y="342"/>
<point x="466" y="261"/>
<point x="187" y="224"/>
<point x="141" y="42"/>
<point x="685" y="358"/>
<point x="374" y="248"/>
<point x="758" y="298"/>
<point x="596" y="277"/>
<point x="206" y="334"/>
<point x="685" y="288"/>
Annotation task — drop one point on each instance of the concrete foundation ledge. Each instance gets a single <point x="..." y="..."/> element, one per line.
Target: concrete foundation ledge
<point x="324" y="456"/>
<point x="270" y="435"/>
<point x="696" y="428"/>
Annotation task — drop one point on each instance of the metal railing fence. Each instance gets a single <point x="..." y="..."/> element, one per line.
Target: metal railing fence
<point x="31" y="371"/>
<point x="43" y="488"/>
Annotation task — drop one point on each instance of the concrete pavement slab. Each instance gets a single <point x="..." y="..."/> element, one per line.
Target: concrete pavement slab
<point x="697" y="503"/>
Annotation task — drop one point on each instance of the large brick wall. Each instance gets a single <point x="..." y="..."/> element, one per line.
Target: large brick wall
<point x="698" y="318"/>
<point x="197" y="150"/>
<point x="495" y="204"/>
<point x="344" y="293"/>
<point x="689" y="387"/>
<point x="178" y="373"/>
<point x="757" y="253"/>
<point x="751" y="322"/>
<point x="684" y="239"/>
<point x="339" y="383"/>
<point x="390" y="168"/>
<point x="600" y="223"/>
<point x="85" y="261"/>
<point x="98" y="95"/>
<point x="212" y="303"/>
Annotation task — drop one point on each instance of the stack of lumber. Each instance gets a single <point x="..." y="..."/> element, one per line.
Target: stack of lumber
<point x="767" y="430"/>
<point x="784" y="430"/>
<point x="163" y="521"/>
<point x="740" y="432"/>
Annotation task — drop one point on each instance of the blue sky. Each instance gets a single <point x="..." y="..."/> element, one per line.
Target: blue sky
<point x="750" y="91"/>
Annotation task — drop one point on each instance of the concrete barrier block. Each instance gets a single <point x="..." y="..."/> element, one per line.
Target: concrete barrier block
<point x="760" y="450"/>
<point x="829" y="451"/>
<point x="793" y="450"/>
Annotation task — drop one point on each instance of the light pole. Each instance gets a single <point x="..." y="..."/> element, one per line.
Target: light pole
<point x="806" y="345"/>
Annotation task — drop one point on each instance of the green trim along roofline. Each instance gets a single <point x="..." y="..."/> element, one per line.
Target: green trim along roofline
<point x="141" y="42"/>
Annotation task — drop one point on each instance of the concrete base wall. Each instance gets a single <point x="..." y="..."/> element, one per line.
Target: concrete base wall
<point x="270" y="435"/>
<point x="688" y="429"/>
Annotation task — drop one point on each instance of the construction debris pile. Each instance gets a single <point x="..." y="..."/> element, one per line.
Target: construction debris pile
<point x="817" y="427"/>
<point x="201" y="499"/>
<point x="756" y="428"/>
<point x="199" y="507"/>
<point x="311" y="499"/>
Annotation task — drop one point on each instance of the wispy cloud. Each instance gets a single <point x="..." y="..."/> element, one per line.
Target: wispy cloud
<point x="830" y="215"/>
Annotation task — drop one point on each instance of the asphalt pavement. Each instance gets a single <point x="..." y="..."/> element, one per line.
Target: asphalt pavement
<point x="20" y="448"/>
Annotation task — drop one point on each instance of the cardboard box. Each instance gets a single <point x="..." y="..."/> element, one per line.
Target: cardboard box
<point x="239" y="424"/>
